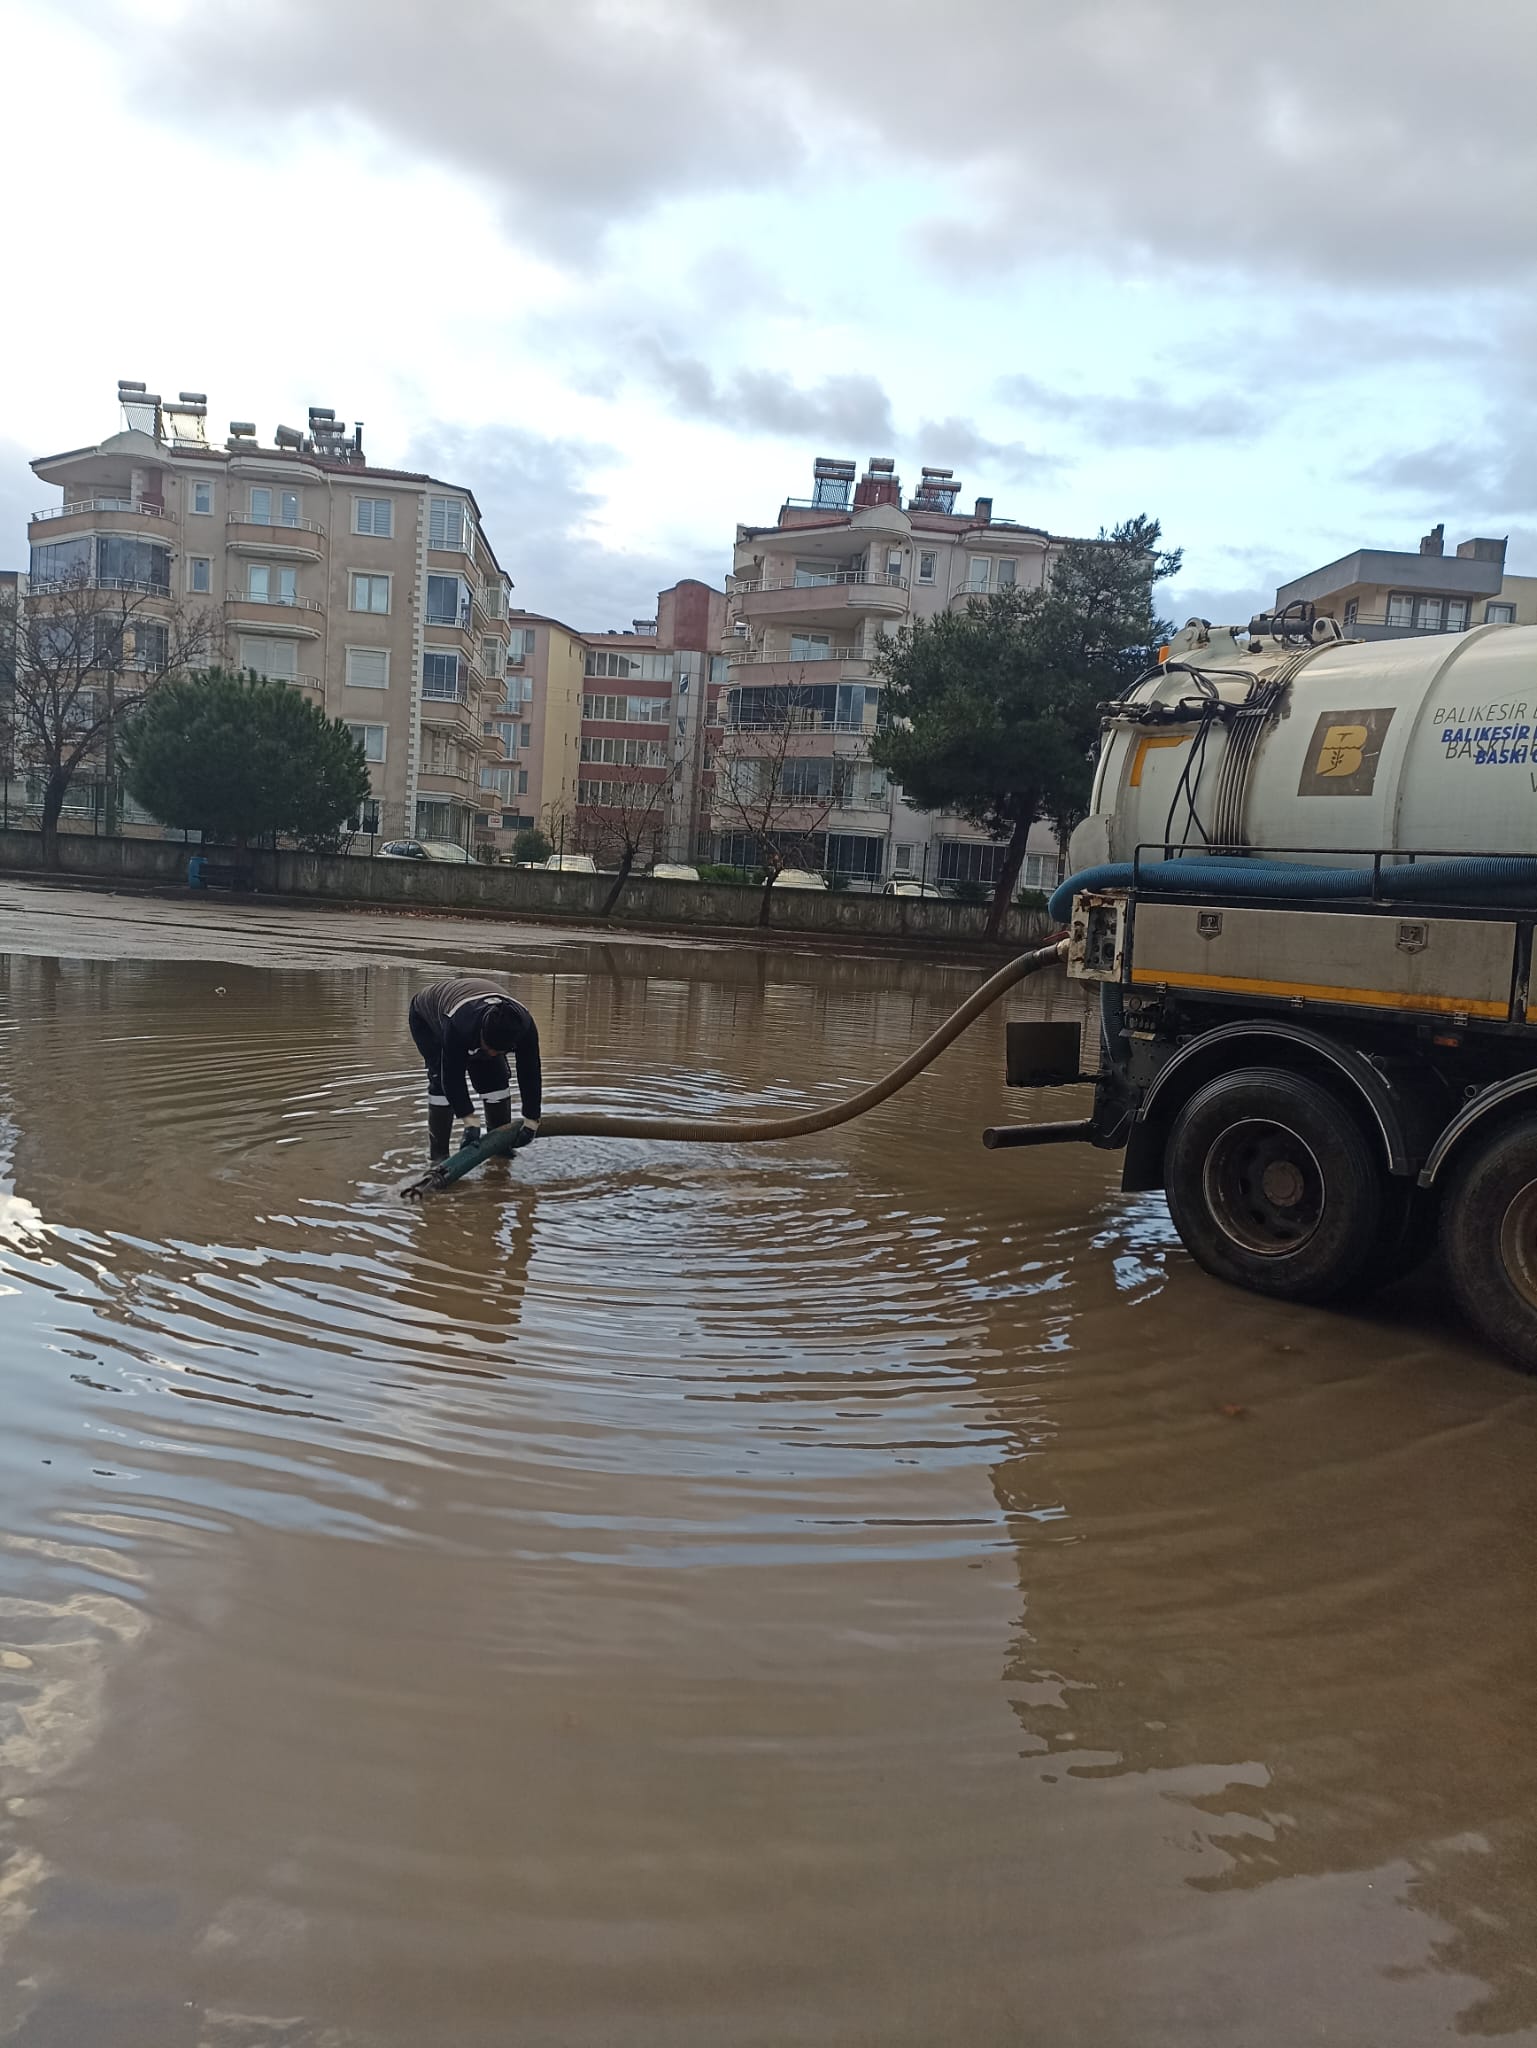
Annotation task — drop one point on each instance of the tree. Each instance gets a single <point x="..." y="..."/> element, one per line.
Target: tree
<point x="992" y="710"/>
<point x="85" y="656"/>
<point x="531" y="844"/>
<point x="619" y="829"/>
<point x="768" y="789"/>
<point x="237" y="757"/>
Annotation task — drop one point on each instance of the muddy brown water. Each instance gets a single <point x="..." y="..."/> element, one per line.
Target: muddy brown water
<point x="860" y="1591"/>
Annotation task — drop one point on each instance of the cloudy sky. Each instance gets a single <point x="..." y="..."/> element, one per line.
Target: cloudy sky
<point x="626" y="266"/>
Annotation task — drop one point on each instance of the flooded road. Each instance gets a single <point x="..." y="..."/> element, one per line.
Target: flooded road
<point x="857" y="1591"/>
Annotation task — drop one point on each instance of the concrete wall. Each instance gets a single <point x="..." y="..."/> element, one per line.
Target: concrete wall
<point x="519" y="892"/>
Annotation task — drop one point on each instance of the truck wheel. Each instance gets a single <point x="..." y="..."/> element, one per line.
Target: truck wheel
<point x="1273" y="1185"/>
<point x="1489" y="1237"/>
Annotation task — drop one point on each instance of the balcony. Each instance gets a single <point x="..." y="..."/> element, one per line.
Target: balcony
<point x="101" y="515"/>
<point x="291" y="615"/>
<point x="846" y="594"/>
<point x="295" y="541"/>
<point x="136" y="586"/>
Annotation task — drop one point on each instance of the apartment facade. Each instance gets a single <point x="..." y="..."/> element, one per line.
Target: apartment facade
<point x="1379" y="594"/>
<point x="808" y="603"/>
<point x="538" y="723"/>
<point x="374" y="591"/>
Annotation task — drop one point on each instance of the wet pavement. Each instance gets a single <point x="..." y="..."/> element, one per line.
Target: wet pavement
<point x="861" y="1590"/>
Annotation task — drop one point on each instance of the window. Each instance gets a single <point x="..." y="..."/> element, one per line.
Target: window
<point x="1008" y="574"/>
<point x="372" y="737"/>
<point x="902" y="861"/>
<point x="368" y="668"/>
<point x="811" y="647"/>
<point x="1400" y="609"/>
<point x="202" y="497"/>
<point x="525" y="735"/>
<point x="440" y="675"/>
<point x="926" y="562"/>
<point x="522" y="782"/>
<point x="370" y="593"/>
<point x="1352" y="609"/>
<point x="199" y="572"/>
<point x="504" y="729"/>
<point x="375" y="516"/>
<point x="258" y="582"/>
<point x="365" y="819"/>
<point x="266" y="502"/>
<point x="278" y="659"/>
<point x="627" y="710"/>
<point x="1427" y="614"/>
<point x="448" y="601"/>
<point x="812" y="575"/>
<point x="893" y="565"/>
<point x="445" y="523"/>
<point x="625" y="753"/>
<point x="976" y="572"/>
<point x="719" y="668"/>
<point x="645" y="668"/>
<point x="62" y="561"/>
<point x="500" y="780"/>
<point x="266" y="585"/>
<point x="1499" y="614"/>
<point x="122" y="563"/>
<point x="491" y="659"/>
<point x="151" y="647"/>
<point x="1456" y="614"/>
<point x="962" y="860"/>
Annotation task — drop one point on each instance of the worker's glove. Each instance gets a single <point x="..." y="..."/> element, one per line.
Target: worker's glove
<point x="471" y="1136"/>
<point x="525" y="1134"/>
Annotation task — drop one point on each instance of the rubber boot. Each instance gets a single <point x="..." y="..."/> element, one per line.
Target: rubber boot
<point x="440" y="1129"/>
<point x="498" y="1115"/>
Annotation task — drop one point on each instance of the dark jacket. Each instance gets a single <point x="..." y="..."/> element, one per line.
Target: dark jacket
<point x="446" y="1021"/>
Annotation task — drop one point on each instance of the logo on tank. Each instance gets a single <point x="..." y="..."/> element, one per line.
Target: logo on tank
<point x="1343" y="753"/>
<point x="1488" y="735"/>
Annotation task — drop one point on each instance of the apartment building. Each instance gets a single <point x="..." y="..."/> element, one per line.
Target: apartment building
<point x="375" y="591"/>
<point x="1378" y="594"/>
<point x="809" y="600"/>
<point x="651" y="698"/>
<point x="539" y="723"/>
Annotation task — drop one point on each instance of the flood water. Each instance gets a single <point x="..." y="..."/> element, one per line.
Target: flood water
<point x="864" y="1590"/>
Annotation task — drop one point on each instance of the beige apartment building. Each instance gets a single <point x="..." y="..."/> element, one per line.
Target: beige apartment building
<point x="1378" y="594"/>
<point x="539" y="724"/>
<point x="375" y="591"/>
<point x="809" y="600"/>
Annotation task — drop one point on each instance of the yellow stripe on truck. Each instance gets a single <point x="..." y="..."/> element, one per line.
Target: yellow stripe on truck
<point x="1323" y="992"/>
<point x="1144" y="747"/>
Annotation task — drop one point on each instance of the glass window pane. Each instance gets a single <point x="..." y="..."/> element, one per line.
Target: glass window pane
<point x="261" y="506"/>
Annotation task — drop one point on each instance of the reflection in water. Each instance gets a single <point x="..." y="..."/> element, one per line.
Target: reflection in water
<point x="864" y="1590"/>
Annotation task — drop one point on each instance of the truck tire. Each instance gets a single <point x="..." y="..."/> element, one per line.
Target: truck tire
<point x="1489" y="1240"/>
<point x="1274" y="1186"/>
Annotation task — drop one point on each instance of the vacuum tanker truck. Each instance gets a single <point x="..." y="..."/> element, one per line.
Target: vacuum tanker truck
<point x="1306" y="889"/>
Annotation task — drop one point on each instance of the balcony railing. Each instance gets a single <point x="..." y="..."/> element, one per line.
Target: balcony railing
<point x="799" y="720"/>
<point x="291" y="604"/>
<point x="835" y="577"/>
<point x="100" y="505"/>
<point x="276" y="525"/>
<point x="45" y="586"/>
<point x="783" y="658"/>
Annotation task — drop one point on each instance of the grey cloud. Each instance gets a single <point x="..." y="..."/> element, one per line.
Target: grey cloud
<point x="1145" y="417"/>
<point x="1223" y="607"/>
<point x="848" y="407"/>
<point x="955" y="441"/>
<point x="1482" y="480"/>
<point x="1182" y="134"/>
<point x="537" y="503"/>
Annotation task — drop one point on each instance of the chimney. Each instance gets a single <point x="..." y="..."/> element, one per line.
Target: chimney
<point x="1482" y="551"/>
<point x="1434" y="542"/>
<point x="984" y="512"/>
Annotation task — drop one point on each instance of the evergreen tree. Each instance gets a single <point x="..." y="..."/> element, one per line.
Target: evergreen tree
<point x="238" y="757"/>
<point x="992" y="710"/>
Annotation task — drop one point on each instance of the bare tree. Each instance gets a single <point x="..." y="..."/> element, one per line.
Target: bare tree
<point x="87" y="653"/>
<point x="768" y="788"/>
<point x="627" y="823"/>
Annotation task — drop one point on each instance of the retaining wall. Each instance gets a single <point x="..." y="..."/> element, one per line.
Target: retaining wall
<point x="524" y="892"/>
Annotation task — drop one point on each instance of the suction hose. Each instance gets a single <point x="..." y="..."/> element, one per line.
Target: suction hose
<point x="724" y="1130"/>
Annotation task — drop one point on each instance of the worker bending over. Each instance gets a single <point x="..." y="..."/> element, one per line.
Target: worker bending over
<point x="464" y="1029"/>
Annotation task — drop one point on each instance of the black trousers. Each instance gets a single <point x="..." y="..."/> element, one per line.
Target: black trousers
<point x="488" y="1073"/>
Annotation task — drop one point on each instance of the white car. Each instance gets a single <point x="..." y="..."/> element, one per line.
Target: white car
<point x="902" y="886"/>
<point x="571" y="864"/>
<point x="674" y="871"/>
<point x="799" y="878"/>
<point x="427" y="849"/>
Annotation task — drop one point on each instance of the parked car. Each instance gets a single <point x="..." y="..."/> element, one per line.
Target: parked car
<point x="426" y="849"/>
<point x="799" y="878"/>
<point x="571" y="864"/>
<point x="674" y="871"/>
<point x="902" y="886"/>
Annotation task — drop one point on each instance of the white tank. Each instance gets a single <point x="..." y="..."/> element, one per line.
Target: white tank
<point x="1422" y="745"/>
